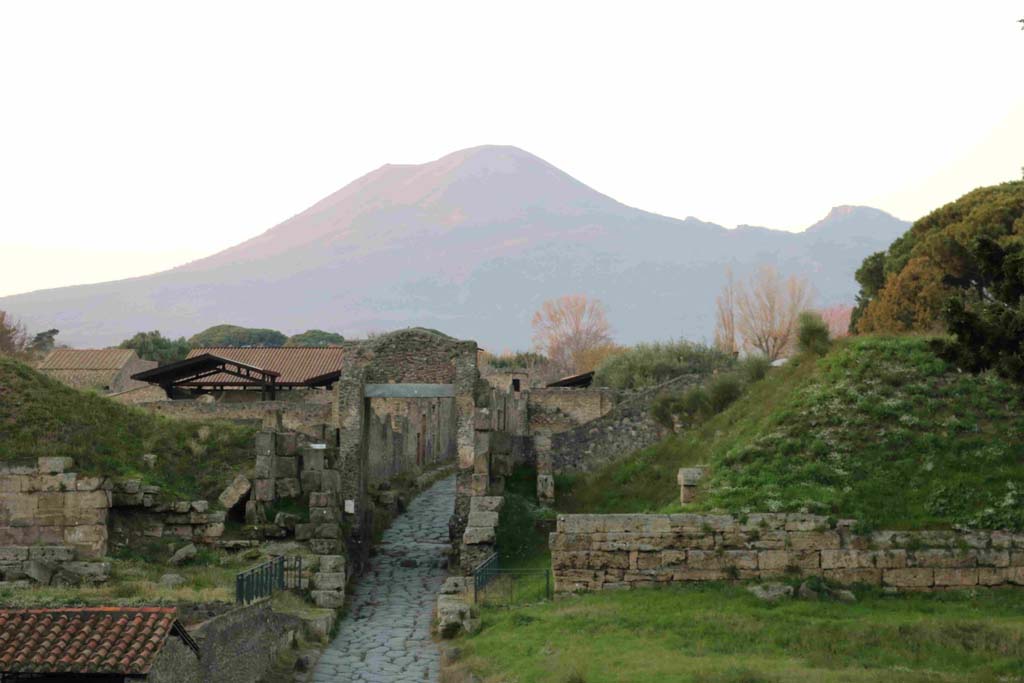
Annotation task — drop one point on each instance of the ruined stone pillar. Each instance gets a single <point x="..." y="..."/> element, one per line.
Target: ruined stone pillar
<point x="350" y="402"/>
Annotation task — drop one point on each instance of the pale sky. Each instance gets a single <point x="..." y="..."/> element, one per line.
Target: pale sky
<point x="135" y="136"/>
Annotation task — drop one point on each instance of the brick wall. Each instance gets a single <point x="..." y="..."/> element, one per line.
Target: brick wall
<point x="594" y="552"/>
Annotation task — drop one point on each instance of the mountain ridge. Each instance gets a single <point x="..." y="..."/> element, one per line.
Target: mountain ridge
<point x="473" y="241"/>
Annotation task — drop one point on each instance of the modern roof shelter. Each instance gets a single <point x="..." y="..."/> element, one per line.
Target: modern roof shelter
<point x="266" y="369"/>
<point x="580" y="381"/>
<point x="95" y="369"/>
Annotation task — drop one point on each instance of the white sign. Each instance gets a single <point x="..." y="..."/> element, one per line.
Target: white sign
<point x="350" y="507"/>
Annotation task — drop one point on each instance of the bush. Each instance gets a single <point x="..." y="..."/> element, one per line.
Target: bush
<point x="754" y="368"/>
<point x="812" y="334"/>
<point x="646" y="365"/>
<point x="722" y="391"/>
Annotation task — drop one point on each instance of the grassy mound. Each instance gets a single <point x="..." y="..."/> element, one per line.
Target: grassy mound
<point x="880" y="429"/>
<point x="40" y="416"/>
<point x="721" y="634"/>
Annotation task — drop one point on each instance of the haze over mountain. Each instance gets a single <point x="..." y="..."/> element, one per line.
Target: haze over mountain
<point x="471" y="244"/>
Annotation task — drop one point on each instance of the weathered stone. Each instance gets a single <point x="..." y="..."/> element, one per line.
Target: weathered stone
<point x="478" y="535"/>
<point x="480" y="518"/>
<point x="323" y="499"/>
<point x="956" y="577"/>
<point x="40" y="572"/>
<point x="94" y="572"/>
<point x="770" y="592"/>
<point x="263" y="490"/>
<point x="54" y="465"/>
<point x="545" y="488"/>
<point x="329" y="580"/>
<point x="311" y="480"/>
<point x="14" y="554"/>
<point x="908" y="578"/>
<point x="286" y="467"/>
<point x="325" y="546"/>
<point x="200" y="506"/>
<point x="172" y="580"/>
<point x="331" y="480"/>
<point x="51" y="553"/>
<point x="304" y="532"/>
<point x="330" y="599"/>
<point x="286" y="520"/>
<point x="127" y="500"/>
<point x="266" y="443"/>
<point x="183" y="554"/>
<point x="287" y="488"/>
<point x="235" y="492"/>
<point x="149" y="459"/>
<point x="210" y="532"/>
<point x="128" y="486"/>
<point x="330" y="530"/>
<point x="486" y="503"/>
<point x="264" y="468"/>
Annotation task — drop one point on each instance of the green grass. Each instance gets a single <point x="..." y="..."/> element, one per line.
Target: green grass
<point x="880" y="429"/>
<point x="712" y="633"/>
<point x="42" y="417"/>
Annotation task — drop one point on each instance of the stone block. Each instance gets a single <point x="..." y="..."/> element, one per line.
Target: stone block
<point x="328" y="599"/>
<point x="323" y="515"/>
<point x="325" y="546"/>
<point x="266" y="444"/>
<point x="329" y="580"/>
<point x="545" y="488"/>
<point x="993" y="558"/>
<point x="263" y="490"/>
<point x="265" y="468"/>
<point x="813" y="540"/>
<point x="287" y="443"/>
<point x="200" y="506"/>
<point x="956" y="577"/>
<point x="288" y="488"/>
<point x="127" y="500"/>
<point x="89" y="540"/>
<point x="311" y="480"/>
<point x="51" y="553"/>
<point x="942" y="558"/>
<point x="54" y="465"/>
<point x="210" y="532"/>
<point x="286" y="467"/>
<point x="804" y="522"/>
<point x="482" y="519"/>
<point x="332" y="480"/>
<point x="254" y="513"/>
<point x="96" y="572"/>
<point x="332" y="563"/>
<point x="313" y="460"/>
<point x="89" y="483"/>
<point x="40" y="572"/>
<point x="847" y="577"/>
<point x="323" y="499"/>
<point x="304" y="532"/>
<point x="328" y="531"/>
<point x="477" y="535"/>
<point x="890" y="559"/>
<point x="909" y="578"/>
<point x="486" y="503"/>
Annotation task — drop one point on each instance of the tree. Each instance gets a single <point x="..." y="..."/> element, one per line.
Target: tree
<point x="910" y="301"/>
<point x="155" y="346"/>
<point x="315" y="338"/>
<point x="234" y="335"/>
<point x="812" y="333"/>
<point x="43" y="342"/>
<point x="838" y="319"/>
<point x="986" y="319"/>
<point x="725" y="323"/>
<point x="767" y="308"/>
<point x="871" y="278"/>
<point x="13" y="339"/>
<point x="568" y="328"/>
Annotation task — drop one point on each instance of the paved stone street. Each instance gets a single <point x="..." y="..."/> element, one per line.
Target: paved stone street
<point x="385" y="635"/>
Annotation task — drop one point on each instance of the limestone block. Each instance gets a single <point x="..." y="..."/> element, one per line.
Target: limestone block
<point x="304" y="532"/>
<point x="263" y="490"/>
<point x="90" y="483"/>
<point x="286" y="467"/>
<point x="323" y="515"/>
<point x="40" y="572"/>
<point x="128" y="485"/>
<point x="479" y="484"/>
<point x="327" y="531"/>
<point x="325" y="546"/>
<point x="332" y="563"/>
<point x="545" y="488"/>
<point x="993" y="558"/>
<point x="329" y="580"/>
<point x="254" y="512"/>
<point x="13" y="553"/>
<point x="89" y="571"/>
<point x="210" y="532"/>
<point x="478" y="535"/>
<point x="200" y="506"/>
<point x="328" y="599"/>
<point x="803" y="522"/>
<point x="10" y="484"/>
<point x="486" y="503"/>
<point x="781" y="560"/>
<point x="51" y="553"/>
<point x="54" y="465"/>
<point x="198" y="518"/>
<point x="313" y="460"/>
<point x="288" y="488"/>
<point x="153" y="530"/>
<point x="942" y="558"/>
<point x="851" y="576"/>
<point x="235" y="493"/>
<point x="738" y="559"/>
<point x="890" y="559"/>
<point x="322" y="499"/>
<point x="956" y="577"/>
<point x="287" y="443"/>
<point x="332" y="480"/>
<point x="311" y="480"/>
<point x="264" y="467"/>
<point x="124" y="500"/>
<point x="483" y="519"/>
<point x="700" y="575"/>
<point x="813" y="540"/>
<point x="769" y="540"/>
<point x="909" y="578"/>
<point x="266" y="443"/>
<point x="846" y="559"/>
<point x="178" y="530"/>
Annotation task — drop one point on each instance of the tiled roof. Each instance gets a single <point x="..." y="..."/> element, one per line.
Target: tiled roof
<point x="294" y="364"/>
<point x="118" y="640"/>
<point x="86" y="359"/>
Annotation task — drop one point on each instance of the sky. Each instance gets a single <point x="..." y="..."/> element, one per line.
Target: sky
<point x="135" y="136"/>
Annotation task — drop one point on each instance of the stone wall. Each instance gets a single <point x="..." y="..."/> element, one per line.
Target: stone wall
<point x="407" y="435"/>
<point x="625" y="429"/>
<point x="45" y="503"/>
<point x="594" y="552"/>
<point x="302" y="416"/>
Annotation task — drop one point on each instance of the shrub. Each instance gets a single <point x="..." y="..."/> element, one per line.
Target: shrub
<point x="754" y="368"/>
<point x="722" y="391"/>
<point x="646" y="365"/>
<point x="812" y="334"/>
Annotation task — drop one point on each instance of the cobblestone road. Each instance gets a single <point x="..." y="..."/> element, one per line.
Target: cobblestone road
<point x="385" y="635"/>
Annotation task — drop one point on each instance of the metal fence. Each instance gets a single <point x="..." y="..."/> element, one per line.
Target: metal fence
<point x="494" y="585"/>
<point x="260" y="582"/>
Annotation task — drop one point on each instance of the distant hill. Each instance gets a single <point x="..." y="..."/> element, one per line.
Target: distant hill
<point x="470" y="244"/>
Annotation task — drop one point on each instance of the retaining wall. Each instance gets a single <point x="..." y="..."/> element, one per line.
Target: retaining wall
<point x="595" y="552"/>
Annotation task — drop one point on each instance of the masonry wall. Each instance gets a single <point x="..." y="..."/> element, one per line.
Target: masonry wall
<point x="407" y="435"/>
<point x="302" y="416"/>
<point x="595" y="552"/>
<point x="242" y="645"/>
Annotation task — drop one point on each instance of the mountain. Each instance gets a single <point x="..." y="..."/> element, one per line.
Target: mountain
<point x="471" y="244"/>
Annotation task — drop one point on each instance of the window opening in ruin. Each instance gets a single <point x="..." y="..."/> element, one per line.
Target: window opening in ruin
<point x="515" y="385"/>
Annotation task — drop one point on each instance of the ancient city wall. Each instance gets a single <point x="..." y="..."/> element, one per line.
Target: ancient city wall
<point x="404" y="435"/>
<point x="595" y="552"/>
<point x="296" y="415"/>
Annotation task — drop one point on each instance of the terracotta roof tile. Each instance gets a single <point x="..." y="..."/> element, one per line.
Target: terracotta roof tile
<point x="294" y="364"/>
<point x="119" y="640"/>
<point x="86" y="359"/>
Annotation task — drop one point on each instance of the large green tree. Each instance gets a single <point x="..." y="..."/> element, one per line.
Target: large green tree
<point x="155" y="346"/>
<point x="234" y="335"/>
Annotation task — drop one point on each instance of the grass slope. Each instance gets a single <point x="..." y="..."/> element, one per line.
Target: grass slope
<point x="879" y="429"/>
<point x="40" y="416"/>
<point x="720" y="634"/>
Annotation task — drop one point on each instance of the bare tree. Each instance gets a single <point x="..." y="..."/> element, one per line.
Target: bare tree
<point x="838" y="320"/>
<point x="570" y="328"/>
<point x="767" y="309"/>
<point x="725" y="325"/>
<point x="13" y="338"/>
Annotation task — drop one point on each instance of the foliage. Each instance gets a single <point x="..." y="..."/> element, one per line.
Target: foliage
<point x="754" y="368"/>
<point x="764" y="311"/>
<point x="812" y="334"/>
<point x="722" y="391"/>
<point x="515" y="360"/>
<point x="155" y="346"/>
<point x="13" y="338"/>
<point x="989" y="334"/>
<point x="906" y="287"/>
<point x="569" y="328"/>
<point x="40" y="416"/>
<point x="314" y="338"/>
<point x="713" y="633"/>
<point x="521" y="537"/>
<point x="43" y="342"/>
<point x="647" y="365"/>
<point x="880" y="429"/>
<point x="233" y="335"/>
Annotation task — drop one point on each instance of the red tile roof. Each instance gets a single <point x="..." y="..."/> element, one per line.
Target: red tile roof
<point x="293" y="364"/>
<point x="118" y="640"/>
<point x="87" y="359"/>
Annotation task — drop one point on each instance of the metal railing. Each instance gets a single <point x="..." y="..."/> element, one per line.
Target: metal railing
<point x="495" y="585"/>
<point x="259" y="582"/>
